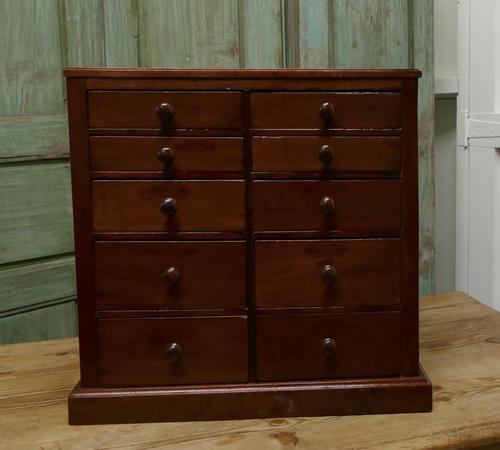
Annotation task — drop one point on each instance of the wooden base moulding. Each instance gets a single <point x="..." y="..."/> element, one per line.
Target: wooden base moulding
<point x="88" y="406"/>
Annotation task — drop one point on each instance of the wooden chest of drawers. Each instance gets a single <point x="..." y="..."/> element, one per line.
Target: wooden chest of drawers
<point x="246" y="243"/>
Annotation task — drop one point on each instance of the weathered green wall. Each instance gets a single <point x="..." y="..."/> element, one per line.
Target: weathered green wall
<point x="38" y="38"/>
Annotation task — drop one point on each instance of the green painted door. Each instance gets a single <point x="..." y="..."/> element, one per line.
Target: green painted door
<point x="38" y="38"/>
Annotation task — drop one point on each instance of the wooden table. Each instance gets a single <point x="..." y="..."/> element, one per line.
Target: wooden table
<point x="460" y="350"/>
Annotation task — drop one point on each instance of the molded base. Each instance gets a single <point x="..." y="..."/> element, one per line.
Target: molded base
<point x="250" y="401"/>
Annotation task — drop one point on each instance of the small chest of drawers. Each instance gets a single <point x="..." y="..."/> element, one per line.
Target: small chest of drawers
<point x="246" y="243"/>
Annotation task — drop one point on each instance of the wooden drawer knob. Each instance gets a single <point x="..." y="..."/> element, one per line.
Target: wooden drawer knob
<point x="326" y="111"/>
<point x="166" y="155"/>
<point x="326" y="154"/>
<point x="327" y="205"/>
<point x="168" y="207"/>
<point x="173" y="352"/>
<point x="329" y="347"/>
<point x="165" y="112"/>
<point x="171" y="276"/>
<point x="329" y="274"/>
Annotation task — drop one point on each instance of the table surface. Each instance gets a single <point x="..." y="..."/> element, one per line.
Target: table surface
<point x="460" y="351"/>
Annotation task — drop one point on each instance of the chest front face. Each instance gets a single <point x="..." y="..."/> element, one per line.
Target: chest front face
<point x="246" y="243"/>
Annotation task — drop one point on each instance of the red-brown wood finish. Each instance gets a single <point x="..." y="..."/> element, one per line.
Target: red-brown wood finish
<point x="367" y="206"/>
<point x="200" y="205"/>
<point x="293" y="347"/>
<point x="246" y="243"/>
<point x="136" y="109"/>
<point x="189" y="155"/>
<point x="302" y="110"/>
<point x="135" y="352"/>
<point x="348" y="154"/>
<point x="132" y="275"/>
<point x="295" y="273"/>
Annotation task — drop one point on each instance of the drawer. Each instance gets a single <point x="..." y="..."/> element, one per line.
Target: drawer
<point x="167" y="156"/>
<point x="173" y="275"/>
<point x="302" y="347"/>
<point x="340" y="206"/>
<point x="168" y="206"/>
<point x="326" y="154"/>
<point x="342" y="110"/>
<point x="139" y="352"/>
<point x="138" y="109"/>
<point x="350" y="272"/>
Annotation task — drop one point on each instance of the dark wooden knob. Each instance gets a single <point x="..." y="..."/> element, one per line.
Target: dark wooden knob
<point x="171" y="276"/>
<point x="329" y="347"/>
<point x="166" y="155"/>
<point x="326" y="111"/>
<point x="327" y="205"/>
<point x="169" y="207"/>
<point x="329" y="274"/>
<point x="165" y="112"/>
<point x="173" y="352"/>
<point x="326" y="154"/>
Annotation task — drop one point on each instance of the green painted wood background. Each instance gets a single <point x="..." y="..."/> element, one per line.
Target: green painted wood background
<point x="38" y="38"/>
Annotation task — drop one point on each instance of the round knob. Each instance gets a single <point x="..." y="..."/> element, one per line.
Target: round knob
<point x="329" y="274"/>
<point x="329" y="347"/>
<point x="165" y="111"/>
<point x="169" y="207"/>
<point x="326" y="111"/>
<point x="326" y="154"/>
<point x="173" y="352"/>
<point x="327" y="205"/>
<point x="171" y="276"/>
<point x="166" y="155"/>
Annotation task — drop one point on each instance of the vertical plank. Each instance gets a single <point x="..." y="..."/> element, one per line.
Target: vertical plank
<point x="314" y="33"/>
<point x="189" y="33"/>
<point x="30" y="68"/>
<point x="370" y="33"/>
<point x="84" y="27"/>
<point x="261" y="39"/>
<point x="121" y="25"/>
<point x="35" y="211"/>
<point x="423" y="38"/>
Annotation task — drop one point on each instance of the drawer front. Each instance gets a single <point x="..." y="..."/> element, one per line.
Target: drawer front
<point x="326" y="154"/>
<point x="327" y="273"/>
<point x="343" y="206"/>
<point x="168" y="206"/>
<point x="138" y="352"/>
<point x="137" y="109"/>
<point x="167" y="156"/>
<point x="171" y="275"/>
<point x="306" y="347"/>
<point x="303" y="110"/>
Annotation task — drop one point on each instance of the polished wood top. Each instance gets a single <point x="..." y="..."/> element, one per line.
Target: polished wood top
<point x="240" y="73"/>
<point x="460" y="350"/>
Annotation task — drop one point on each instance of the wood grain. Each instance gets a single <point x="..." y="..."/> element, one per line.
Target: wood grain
<point x="132" y="351"/>
<point x="301" y="110"/>
<point x="35" y="211"/>
<point x="368" y="206"/>
<point x="289" y="347"/>
<point x="201" y="205"/>
<point x="289" y="273"/>
<point x="23" y="286"/>
<point x="120" y="109"/>
<point x="356" y="154"/>
<point x="135" y="154"/>
<point x="460" y="352"/>
<point x="129" y="275"/>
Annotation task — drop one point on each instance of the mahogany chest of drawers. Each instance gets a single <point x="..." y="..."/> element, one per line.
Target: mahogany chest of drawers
<point x="246" y="243"/>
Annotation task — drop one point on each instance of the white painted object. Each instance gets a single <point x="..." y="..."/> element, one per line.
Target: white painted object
<point x="478" y="156"/>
